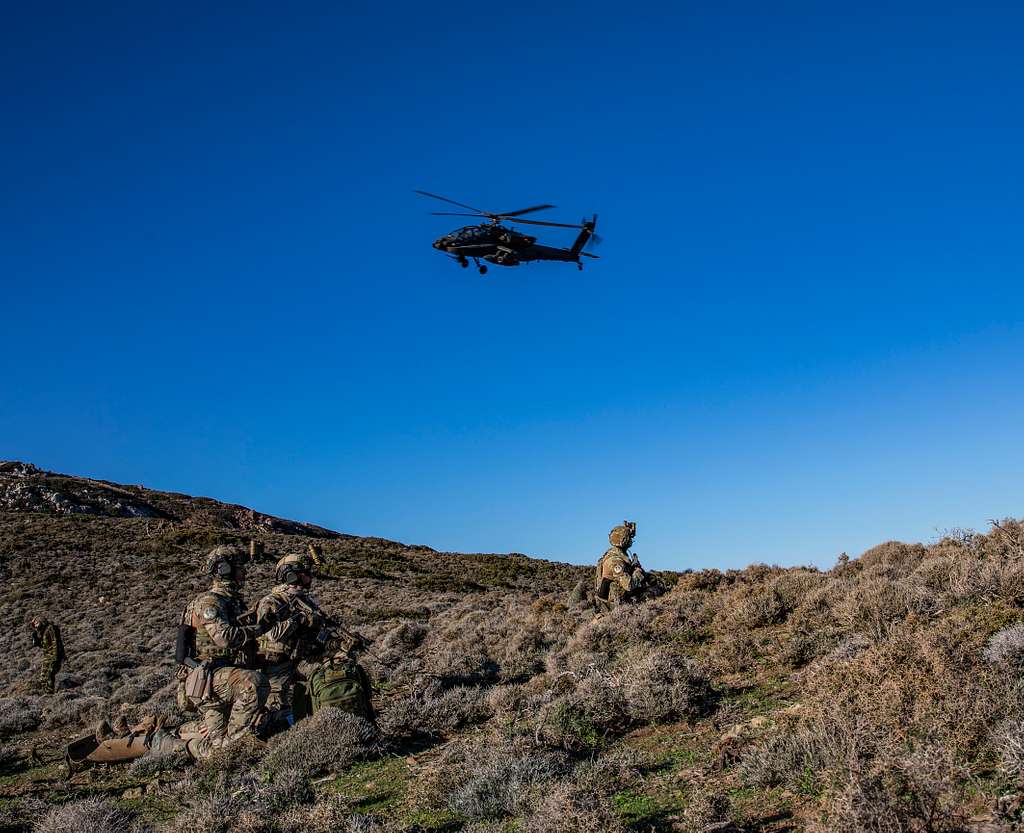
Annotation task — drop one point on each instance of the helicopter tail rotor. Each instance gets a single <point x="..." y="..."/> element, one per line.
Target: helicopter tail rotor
<point x="595" y="238"/>
<point x="585" y="237"/>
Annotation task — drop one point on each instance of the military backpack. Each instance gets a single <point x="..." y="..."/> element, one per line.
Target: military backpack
<point x="341" y="684"/>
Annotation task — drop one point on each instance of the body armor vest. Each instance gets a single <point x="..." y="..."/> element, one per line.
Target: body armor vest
<point x="228" y="607"/>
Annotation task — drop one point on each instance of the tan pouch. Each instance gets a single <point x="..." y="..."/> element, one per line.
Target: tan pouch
<point x="199" y="683"/>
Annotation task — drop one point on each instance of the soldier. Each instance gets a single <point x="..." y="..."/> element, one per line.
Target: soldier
<point x="46" y="635"/>
<point x="619" y="576"/>
<point x="299" y="638"/>
<point x="218" y="682"/>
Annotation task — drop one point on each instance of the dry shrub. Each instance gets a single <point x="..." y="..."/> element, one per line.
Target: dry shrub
<point x="71" y="709"/>
<point x="235" y="758"/>
<point x="704" y="581"/>
<point x="564" y="809"/>
<point x="20" y="814"/>
<point x="926" y="680"/>
<point x="583" y="712"/>
<point x="18" y="714"/>
<point x="593" y="783"/>
<point x="523" y="654"/>
<point x="330" y="814"/>
<point x="1008" y="740"/>
<point x="88" y="815"/>
<point x="708" y="808"/>
<point x="1006" y="646"/>
<point x="599" y="643"/>
<point x="154" y="763"/>
<point x="663" y="685"/>
<point x="924" y="791"/>
<point x="754" y="607"/>
<point x="436" y="711"/>
<point x="684" y="616"/>
<point x="235" y="803"/>
<point x="595" y="708"/>
<point x="734" y="651"/>
<point x="793" y="750"/>
<point x="877" y="601"/>
<point x="329" y="741"/>
<point x="407" y="635"/>
<point x="894" y="555"/>
<point x="504" y="786"/>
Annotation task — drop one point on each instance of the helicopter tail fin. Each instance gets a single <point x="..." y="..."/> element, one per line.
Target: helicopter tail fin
<point x="585" y="234"/>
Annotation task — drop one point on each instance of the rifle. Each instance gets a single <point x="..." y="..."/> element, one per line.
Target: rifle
<point x="326" y="626"/>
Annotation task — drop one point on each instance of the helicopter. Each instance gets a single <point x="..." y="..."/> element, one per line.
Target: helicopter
<point x="504" y="246"/>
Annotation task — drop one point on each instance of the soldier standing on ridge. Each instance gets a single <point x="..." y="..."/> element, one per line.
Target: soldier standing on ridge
<point x="46" y="635"/>
<point x="619" y="577"/>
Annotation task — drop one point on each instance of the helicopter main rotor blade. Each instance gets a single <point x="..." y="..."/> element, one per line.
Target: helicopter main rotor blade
<point x="522" y="211"/>
<point x="457" y="214"/>
<point x="445" y="199"/>
<point x="545" y="223"/>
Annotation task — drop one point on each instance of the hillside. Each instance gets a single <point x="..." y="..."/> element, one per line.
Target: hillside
<point x="880" y="695"/>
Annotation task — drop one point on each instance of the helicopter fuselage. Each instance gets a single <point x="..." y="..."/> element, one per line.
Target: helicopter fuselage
<point x="500" y="245"/>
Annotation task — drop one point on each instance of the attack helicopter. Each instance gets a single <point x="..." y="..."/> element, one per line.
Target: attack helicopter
<point x="504" y="246"/>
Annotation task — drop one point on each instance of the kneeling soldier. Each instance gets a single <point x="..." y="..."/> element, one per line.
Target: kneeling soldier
<point x="619" y="578"/>
<point x="219" y="680"/>
<point x="303" y="644"/>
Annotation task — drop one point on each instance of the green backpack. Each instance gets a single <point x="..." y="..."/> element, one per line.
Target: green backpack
<point x="340" y="684"/>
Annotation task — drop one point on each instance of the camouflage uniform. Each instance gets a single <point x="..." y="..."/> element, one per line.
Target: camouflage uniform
<point x="46" y="635"/>
<point x="618" y="577"/>
<point x="299" y="634"/>
<point x="278" y="647"/>
<point x="228" y="695"/>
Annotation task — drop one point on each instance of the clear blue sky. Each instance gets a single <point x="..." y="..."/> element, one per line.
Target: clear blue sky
<point x="806" y="334"/>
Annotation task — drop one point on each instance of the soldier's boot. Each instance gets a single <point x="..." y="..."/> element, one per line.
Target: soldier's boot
<point x="148" y="724"/>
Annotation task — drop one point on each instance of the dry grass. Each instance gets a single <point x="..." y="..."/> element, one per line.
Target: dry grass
<point x="880" y="695"/>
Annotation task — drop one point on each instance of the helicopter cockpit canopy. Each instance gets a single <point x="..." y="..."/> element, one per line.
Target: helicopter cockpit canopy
<point x="470" y="234"/>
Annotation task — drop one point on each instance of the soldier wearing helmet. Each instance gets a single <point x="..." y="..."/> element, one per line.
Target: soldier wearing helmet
<point x="302" y="636"/>
<point x="619" y="576"/>
<point x="228" y="694"/>
<point x="46" y="635"/>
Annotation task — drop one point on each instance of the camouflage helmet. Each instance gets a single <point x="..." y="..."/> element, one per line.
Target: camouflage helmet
<point x="623" y="534"/>
<point x="221" y="561"/>
<point x="291" y="566"/>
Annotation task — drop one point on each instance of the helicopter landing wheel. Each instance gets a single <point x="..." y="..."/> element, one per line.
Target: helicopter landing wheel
<point x="482" y="270"/>
<point x="579" y="266"/>
<point x="463" y="262"/>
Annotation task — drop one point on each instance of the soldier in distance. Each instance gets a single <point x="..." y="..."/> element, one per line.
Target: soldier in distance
<point x="619" y="578"/>
<point x="46" y="635"/>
